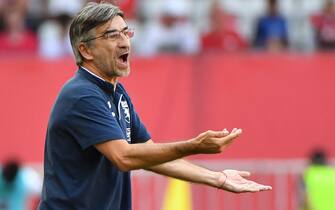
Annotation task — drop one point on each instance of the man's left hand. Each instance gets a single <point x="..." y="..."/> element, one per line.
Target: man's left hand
<point x="234" y="181"/>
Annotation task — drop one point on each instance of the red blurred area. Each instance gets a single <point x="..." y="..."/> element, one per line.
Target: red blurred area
<point x="284" y="103"/>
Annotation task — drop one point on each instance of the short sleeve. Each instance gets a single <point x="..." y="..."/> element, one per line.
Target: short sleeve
<point x="90" y="122"/>
<point x="139" y="133"/>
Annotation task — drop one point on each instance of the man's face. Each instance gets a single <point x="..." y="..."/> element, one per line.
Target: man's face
<point x="111" y="53"/>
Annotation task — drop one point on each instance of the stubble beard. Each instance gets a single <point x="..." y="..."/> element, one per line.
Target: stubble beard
<point x="114" y="72"/>
<point x="120" y="73"/>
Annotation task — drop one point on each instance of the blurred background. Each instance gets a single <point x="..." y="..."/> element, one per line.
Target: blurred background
<point x="263" y="65"/>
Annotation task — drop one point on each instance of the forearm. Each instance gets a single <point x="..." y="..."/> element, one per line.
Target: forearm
<point x="136" y="156"/>
<point x="229" y="180"/>
<point x="184" y="170"/>
<point x="143" y="156"/>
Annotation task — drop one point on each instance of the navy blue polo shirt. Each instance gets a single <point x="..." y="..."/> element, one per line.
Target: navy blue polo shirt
<point x="77" y="176"/>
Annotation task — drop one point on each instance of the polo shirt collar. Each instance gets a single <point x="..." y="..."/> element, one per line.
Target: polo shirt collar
<point x="103" y="84"/>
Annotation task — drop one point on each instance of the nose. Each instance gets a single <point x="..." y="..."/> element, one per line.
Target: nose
<point x="124" y="41"/>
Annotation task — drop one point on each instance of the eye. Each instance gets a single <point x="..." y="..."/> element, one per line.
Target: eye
<point x="112" y="35"/>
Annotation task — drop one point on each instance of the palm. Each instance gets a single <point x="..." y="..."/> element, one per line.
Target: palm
<point x="236" y="182"/>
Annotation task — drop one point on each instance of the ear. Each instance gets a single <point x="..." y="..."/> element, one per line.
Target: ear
<point x="85" y="51"/>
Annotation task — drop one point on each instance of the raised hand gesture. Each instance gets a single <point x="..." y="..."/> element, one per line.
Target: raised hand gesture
<point x="214" y="141"/>
<point x="235" y="181"/>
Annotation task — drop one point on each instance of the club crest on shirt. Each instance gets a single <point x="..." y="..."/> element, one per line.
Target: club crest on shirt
<point x="126" y="111"/>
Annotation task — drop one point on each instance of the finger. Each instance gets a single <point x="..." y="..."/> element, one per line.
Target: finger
<point x="217" y="134"/>
<point x="265" y="188"/>
<point x="244" y="173"/>
<point x="206" y="133"/>
<point x="258" y="187"/>
<point x="225" y="132"/>
<point x="254" y="186"/>
<point x="261" y="187"/>
<point x="234" y="129"/>
<point x="249" y="187"/>
<point x="230" y="137"/>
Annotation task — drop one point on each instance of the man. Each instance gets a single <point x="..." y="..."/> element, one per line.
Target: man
<point x="318" y="186"/>
<point x="271" y="30"/>
<point x="95" y="137"/>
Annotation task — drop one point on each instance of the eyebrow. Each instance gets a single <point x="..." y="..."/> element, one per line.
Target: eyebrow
<point x="114" y="30"/>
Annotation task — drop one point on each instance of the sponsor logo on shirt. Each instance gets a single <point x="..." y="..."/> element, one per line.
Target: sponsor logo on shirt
<point x="128" y="132"/>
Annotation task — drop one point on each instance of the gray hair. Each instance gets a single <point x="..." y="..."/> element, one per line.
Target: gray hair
<point x="88" y="18"/>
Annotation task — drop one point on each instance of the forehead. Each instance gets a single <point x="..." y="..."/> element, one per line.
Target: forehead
<point x="117" y="23"/>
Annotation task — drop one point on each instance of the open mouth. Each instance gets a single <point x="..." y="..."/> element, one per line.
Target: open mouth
<point x="124" y="58"/>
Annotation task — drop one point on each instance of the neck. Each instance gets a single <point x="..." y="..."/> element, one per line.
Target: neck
<point x="99" y="73"/>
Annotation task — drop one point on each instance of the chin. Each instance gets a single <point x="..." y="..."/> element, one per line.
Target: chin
<point x="123" y="72"/>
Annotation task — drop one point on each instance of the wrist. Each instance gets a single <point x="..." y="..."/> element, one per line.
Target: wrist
<point x="186" y="148"/>
<point x="217" y="180"/>
<point x="222" y="180"/>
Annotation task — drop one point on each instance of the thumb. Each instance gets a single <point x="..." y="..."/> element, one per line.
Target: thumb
<point x="244" y="173"/>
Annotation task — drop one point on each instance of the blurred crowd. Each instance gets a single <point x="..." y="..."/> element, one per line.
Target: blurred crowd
<point x="40" y="27"/>
<point x="20" y="186"/>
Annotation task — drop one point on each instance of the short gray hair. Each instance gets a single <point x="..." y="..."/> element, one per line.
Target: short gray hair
<point x="88" y="18"/>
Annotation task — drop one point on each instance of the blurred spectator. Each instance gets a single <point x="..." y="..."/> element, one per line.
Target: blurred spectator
<point x="222" y="35"/>
<point x="53" y="35"/>
<point x="15" y="37"/>
<point x="69" y="7"/>
<point x="271" y="30"/>
<point x="37" y="12"/>
<point x="324" y="25"/>
<point x="174" y="33"/>
<point x="319" y="183"/>
<point x="54" y="41"/>
<point x="17" y="185"/>
<point x="128" y="7"/>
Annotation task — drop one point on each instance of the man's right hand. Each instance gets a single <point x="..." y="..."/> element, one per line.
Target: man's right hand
<point x="135" y="156"/>
<point x="211" y="142"/>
